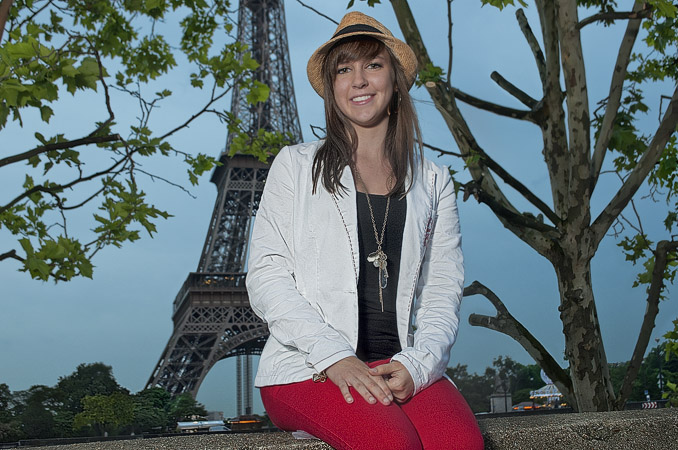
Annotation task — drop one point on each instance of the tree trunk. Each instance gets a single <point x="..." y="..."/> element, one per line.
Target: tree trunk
<point x="5" y="6"/>
<point x="584" y="347"/>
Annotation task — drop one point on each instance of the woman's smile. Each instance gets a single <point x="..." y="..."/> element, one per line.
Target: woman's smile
<point x="361" y="99"/>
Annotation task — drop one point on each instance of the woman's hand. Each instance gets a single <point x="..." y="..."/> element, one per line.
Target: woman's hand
<point x="351" y="371"/>
<point x="397" y="378"/>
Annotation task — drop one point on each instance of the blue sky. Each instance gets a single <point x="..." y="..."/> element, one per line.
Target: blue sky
<point x="123" y="316"/>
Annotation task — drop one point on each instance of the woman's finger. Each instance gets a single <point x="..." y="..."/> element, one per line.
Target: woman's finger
<point x="365" y="392"/>
<point x="343" y="387"/>
<point x="383" y="370"/>
<point x="379" y="388"/>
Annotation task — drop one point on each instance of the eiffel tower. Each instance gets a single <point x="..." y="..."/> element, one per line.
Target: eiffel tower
<point x="212" y="317"/>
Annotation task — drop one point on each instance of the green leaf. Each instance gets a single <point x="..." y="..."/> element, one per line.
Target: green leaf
<point x="258" y="93"/>
<point x="501" y="4"/>
<point x="45" y="113"/>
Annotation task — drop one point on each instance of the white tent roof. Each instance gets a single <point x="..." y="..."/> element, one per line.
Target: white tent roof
<point x="550" y="390"/>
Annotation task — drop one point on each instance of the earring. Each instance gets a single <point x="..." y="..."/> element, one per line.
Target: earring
<point x="396" y="103"/>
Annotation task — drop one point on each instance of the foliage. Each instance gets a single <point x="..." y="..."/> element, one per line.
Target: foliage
<point x="184" y="407"/>
<point x="88" y="380"/>
<point x="475" y="388"/>
<point x="658" y="361"/>
<point x="109" y="52"/>
<point x="10" y="427"/>
<point x="105" y="413"/>
<point x="90" y="402"/>
<point x="5" y="400"/>
<point x="671" y="350"/>
<point x="520" y="379"/>
<point x="501" y="4"/>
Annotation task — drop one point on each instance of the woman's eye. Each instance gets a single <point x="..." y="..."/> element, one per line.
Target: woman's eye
<point x="373" y="65"/>
<point x="342" y="70"/>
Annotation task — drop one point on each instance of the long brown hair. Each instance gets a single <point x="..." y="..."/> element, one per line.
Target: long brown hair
<point x="403" y="137"/>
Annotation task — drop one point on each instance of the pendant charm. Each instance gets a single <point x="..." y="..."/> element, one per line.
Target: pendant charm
<point x="383" y="275"/>
<point x="377" y="258"/>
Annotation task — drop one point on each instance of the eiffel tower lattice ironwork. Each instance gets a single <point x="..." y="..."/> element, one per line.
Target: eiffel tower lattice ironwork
<point x="212" y="317"/>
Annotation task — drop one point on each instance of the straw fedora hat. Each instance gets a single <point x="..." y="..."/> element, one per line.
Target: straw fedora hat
<point x="359" y="24"/>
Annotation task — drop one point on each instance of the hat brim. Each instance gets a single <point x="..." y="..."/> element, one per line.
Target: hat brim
<point x="402" y="52"/>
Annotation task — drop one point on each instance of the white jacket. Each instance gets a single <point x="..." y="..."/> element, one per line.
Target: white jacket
<point x="303" y="272"/>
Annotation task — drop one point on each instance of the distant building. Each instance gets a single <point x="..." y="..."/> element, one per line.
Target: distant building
<point x="215" y="415"/>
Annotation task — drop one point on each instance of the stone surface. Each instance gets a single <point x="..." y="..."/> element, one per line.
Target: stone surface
<point x="620" y="430"/>
<point x="617" y="430"/>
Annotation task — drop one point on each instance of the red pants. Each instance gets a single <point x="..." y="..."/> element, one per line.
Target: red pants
<point x="436" y="418"/>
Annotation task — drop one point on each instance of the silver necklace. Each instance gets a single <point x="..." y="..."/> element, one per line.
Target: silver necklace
<point x="378" y="257"/>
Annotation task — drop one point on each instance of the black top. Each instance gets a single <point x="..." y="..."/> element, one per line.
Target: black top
<point x="377" y="330"/>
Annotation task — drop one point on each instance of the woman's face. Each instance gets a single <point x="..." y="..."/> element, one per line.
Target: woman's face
<point x="363" y="89"/>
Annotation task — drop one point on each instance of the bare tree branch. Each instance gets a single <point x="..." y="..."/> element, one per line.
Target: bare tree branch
<point x="636" y="178"/>
<point x="57" y="188"/>
<point x="651" y="311"/>
<point x="59" y="146"/>
<point x="165" y="180"/>
<point x="505" y="323"/>
<point x="554" y="132"/>
<point x="104" y="85"/>
<point x="473" y="188"/>
<point x="211" y="101"/>
<point x="614" y="96"/>
<point x="579" y="127"/>
<point x="513" y="90"/>
<point x="318" y="12"/>
<point x="493" y="107"/>
<point x="643" y="12"/>
<point x="442" y="151"/>
<point x="533" y="43"/>
<point x="11" y="254"/>
<point x="32" y="16"/>
<point x="519" y="187"/>
<point x="449" y="42"/>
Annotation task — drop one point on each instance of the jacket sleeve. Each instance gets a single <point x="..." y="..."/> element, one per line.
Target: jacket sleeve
<point x="271" y="279"/>
<point x="438" y="295"/>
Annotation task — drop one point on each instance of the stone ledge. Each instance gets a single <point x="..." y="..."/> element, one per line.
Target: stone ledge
<point x="616" y="430"/>
<point x="619" y="430"/>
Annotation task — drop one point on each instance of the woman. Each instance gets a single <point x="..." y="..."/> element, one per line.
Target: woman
<point x="356" y="265"/>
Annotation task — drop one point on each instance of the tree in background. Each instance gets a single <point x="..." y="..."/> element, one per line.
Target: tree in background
<point x="114" y="52"/>
<point x="579" y="146"/>
<point x="671" y="349"/>
<point x="183" y="407"/>
<point x="87" y="380"/>
<point x="476" y="389"/>
<point x="658" y="361"/>
<point x="10" y="426"/>
<point x="90" y="401"/>
<point x="151" y="410"/>
<point x="36" y="408"/>
<point x="105" y="413"/>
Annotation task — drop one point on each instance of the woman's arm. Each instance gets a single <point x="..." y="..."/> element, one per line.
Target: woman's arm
<point x="439" y="293"/>
<point x="270" y="278"/>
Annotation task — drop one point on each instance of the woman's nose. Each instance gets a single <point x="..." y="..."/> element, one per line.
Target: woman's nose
<point x="359" y="79"/>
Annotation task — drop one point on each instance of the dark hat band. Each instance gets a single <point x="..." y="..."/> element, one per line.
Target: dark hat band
<point x="356" y="28"/>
